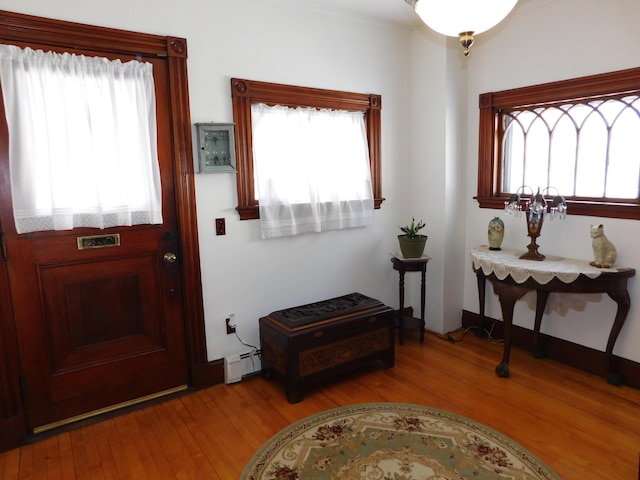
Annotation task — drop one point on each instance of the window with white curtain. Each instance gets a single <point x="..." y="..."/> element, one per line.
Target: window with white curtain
<point x="311" y="169"/>
<point x="82" y="140"/>
<point x="366" y="109"/>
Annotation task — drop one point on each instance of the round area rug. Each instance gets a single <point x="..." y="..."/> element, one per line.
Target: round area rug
<point x="392" y="441"/>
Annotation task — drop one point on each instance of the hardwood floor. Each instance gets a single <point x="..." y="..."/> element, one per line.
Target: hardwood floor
<point x="578" y="424"/>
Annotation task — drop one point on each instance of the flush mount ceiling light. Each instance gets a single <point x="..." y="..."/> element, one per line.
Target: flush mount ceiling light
<point x="462" y="18"/>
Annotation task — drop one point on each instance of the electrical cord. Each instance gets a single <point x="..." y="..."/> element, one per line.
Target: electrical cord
<point x="491" y="339"/>
<point x="458" y="335"/>
<point x="245" y="343"/>
<point x="254" y="350"/>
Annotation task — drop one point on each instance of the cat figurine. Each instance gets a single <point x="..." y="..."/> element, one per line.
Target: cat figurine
<point x="604" y="252"/>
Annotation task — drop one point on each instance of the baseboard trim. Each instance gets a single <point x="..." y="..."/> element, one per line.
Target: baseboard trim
<point x="563" y="351"/>
<point x="212" y="373"/>
<point x="207" y="374"/>
<point x="14" y="431"/>
<point x="572" y="354"/>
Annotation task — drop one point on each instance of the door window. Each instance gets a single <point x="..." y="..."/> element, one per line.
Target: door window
<point x="82" y="140"/>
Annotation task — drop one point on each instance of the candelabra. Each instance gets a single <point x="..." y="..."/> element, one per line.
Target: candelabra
<point x="536" y="207"/>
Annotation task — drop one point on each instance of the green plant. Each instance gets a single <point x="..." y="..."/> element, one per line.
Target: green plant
<point x="412" y="230"/>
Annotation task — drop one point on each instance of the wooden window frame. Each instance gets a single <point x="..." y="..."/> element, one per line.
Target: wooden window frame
<point x="246" y="92"/>
<point x="489" y="136"/>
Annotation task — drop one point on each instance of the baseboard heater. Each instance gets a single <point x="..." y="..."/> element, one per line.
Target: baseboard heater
<point x="234" y="366"/>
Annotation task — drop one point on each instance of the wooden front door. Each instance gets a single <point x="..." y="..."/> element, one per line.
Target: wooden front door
<point x="98" y="313"/>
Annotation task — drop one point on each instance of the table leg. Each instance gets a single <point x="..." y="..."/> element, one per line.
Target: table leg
<point x="422" y="295"/>
<point x="401" y="310"/>
<point x="508" y="295"/>
<point x="541" y="303"/>
<point x="482" y="283"/>
<point x="622" y="299"/>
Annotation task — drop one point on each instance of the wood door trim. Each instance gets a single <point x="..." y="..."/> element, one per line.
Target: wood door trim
<point x="30" y="30"/>
<point x="12" y="416"/>
<point x="41" y="32"/>
<point x="187" y="220"/>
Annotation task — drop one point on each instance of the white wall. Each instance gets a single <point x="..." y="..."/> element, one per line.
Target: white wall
<point x="542" y="41"/>
<point x="429" y="148"/>
<point x="438" y="170"/>
<point x="277" y="41"/>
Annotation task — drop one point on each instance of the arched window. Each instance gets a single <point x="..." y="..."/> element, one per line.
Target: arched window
<point x="581" y="136"/>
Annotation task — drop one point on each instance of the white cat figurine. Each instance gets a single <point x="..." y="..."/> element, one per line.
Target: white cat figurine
<point x="604" y="252"/>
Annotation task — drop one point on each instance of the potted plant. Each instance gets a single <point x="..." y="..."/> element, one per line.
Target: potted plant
<point x="411" y="242"/>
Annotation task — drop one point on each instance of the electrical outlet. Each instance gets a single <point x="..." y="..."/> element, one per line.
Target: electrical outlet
<point x="231" y="328"/>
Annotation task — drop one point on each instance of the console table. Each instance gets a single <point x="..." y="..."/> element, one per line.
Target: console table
<point x="512" y="278"/>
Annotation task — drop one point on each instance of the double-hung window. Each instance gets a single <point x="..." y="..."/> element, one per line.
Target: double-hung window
<point x="581" y="136"/>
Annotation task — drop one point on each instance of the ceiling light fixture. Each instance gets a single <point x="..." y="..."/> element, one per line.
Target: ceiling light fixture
<point x="462" y="18"/>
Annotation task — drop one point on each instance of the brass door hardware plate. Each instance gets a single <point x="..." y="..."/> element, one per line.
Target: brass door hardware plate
<point x="98" y="241"/>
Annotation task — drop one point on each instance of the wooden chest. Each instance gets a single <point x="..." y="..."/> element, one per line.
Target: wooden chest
<point x="313" y="342"/>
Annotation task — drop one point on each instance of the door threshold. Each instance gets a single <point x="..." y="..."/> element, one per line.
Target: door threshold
<point x="110" y="408"/>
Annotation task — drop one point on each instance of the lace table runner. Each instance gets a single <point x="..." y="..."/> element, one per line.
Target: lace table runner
<point x="505" y="262"/>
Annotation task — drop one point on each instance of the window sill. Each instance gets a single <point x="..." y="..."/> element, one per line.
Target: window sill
<point x="630" y="211"/>
<point x="252" y="212"/>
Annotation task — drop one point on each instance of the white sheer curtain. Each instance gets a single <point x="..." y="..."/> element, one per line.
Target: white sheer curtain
<point x="82" y="140"/>
<point x="312" y="170"/>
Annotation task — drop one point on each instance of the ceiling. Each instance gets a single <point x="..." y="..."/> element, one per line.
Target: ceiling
<point x="397" y="11"/>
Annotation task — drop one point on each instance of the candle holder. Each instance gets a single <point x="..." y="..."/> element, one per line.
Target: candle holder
<point x="536" y="207"/>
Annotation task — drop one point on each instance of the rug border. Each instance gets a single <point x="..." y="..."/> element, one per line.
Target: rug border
<point x="482" y="428"/>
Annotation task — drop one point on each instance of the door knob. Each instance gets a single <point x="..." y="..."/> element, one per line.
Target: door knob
<point x="170" y="257"/>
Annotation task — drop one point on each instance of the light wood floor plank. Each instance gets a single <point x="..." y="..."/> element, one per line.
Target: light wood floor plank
<point x="158" y="449"/>
<point x="67" y="460"/>
<point x="27" y="469"/>
<point x="581" y="426"/>
<point x="190" y="458"/>
<point x="133" y="447"/>
<point x="10" y="464"/>
<point x="190" y="428"/>
<point x="108" y="461"/>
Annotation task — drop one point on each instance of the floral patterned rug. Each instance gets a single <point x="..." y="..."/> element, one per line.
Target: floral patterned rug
<point x="392" y="441"/>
